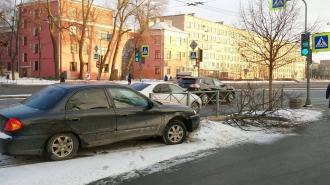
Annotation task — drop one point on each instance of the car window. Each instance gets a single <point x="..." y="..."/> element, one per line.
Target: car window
<point x="125" y="98"/>
<point x="185" y="81"/>
<point x="161" y="88"/>
<point x="87" y="99"/>
<point x="208" y="81"/>
<point x="176" y="89"/>
<point x="139" y="86"/>
<point x="46" y="98"/>
<point x="218" y="83"/>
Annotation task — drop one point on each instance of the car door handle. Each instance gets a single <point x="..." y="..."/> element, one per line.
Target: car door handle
<point x="74" y="119"/>
<point x="124" y="115"/>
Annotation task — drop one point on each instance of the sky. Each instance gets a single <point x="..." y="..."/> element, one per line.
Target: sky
<point x="127" y="158"/>
<point x="224" y="10"/>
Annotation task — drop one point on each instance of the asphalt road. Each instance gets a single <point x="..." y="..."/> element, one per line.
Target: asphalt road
<point x="300" y="159"/>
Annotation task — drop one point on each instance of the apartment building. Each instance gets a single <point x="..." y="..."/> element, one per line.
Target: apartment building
<point x="167" y="48"/>
<point x="35" y="56"/>
<point x="221" y="58"/>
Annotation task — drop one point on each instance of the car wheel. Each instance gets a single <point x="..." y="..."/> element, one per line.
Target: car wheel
<point x="204" y="99"/>
<point x="195" y="106"/>
<point x="230" y="97"/>
<point x="175" y="133"/>
<point x="61" y="147"/>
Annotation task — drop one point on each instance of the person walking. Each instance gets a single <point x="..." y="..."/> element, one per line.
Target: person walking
<point x="62" y="77"/>
<point x="129" y="79"/>
<point x="166" y="78"/>
<point x="88" y="76"/>
<point x="327" y="94"/>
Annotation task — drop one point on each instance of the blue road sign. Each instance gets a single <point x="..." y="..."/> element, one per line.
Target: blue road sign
<point x="277" y="4"/>
<point x="321" y="42"/>
<point x="193" y="54"/>
<point x="144" y="50"/>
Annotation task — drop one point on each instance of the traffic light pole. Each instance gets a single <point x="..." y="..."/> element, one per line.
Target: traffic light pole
<point x="308" y="62"/>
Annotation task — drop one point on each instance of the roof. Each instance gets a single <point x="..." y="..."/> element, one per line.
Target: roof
<point x="165" y="26"/>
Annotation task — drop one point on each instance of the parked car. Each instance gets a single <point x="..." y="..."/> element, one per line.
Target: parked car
<point x="61" y="118"/>
<point x="168" y="91"/>
<point x="208" y="84"/>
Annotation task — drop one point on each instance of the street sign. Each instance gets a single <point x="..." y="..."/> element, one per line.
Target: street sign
<point x="193" y="45"/>
<point x="109" y="37"/>
<point x="145" y="50"/>
<point x="96" y="56"/>
<point x="193" y="54"/>
<point x="277" y="4"/>
<point x="321" y="42"/>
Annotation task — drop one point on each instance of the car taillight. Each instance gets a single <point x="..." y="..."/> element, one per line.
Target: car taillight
<point x="194" y="86"/>
<point x="12" y="125"/>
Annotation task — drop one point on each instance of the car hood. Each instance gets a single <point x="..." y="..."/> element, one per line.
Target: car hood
<point x="17" y="110"/>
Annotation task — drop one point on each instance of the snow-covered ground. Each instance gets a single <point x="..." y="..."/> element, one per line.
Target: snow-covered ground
<point x="126" y="159"/>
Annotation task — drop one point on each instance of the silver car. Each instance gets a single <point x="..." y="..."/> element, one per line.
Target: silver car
<point x="169" y="92"/>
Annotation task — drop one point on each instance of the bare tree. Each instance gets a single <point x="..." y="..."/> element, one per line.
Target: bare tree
<point x="269" y="38"/>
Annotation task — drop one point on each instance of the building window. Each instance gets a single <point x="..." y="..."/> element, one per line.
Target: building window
<point x="73" y="12"/>
<point x="24" y="57"/>
<point x="177" y="69"/>
<point x="35" y="48"/>
<point x="85" y="50"/>
<point x="24" y="24"/>
<point x="157" y="70"/>
<point x="73" y="30"/>
<point x="178" y="41"/>
<point x="24" y="41"/>
<point x="168" y="55"/>
<point x="3" y="65"/>
<point x="36" y="66"/>
<point x="8" y="66"/>
<point x="73" y="48"/>
<point x="168" y="71"/>
<point x="178" y="55"/>
<point x="86" y="32"/>
<point x="36" y="13"/>
<point x="105" y="68"/>
<point x="102" y="35"/>
<point x="169" y="40"/>
<point x="73" y="66"/>
<point x="157" y="54"/>
<point x="188" y="24"/>
<point x="157" y="39"/>
<point x="35" y="31"/>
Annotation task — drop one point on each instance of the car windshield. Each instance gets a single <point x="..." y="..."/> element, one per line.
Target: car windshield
<point x="139" y="86"/>
<point x="46" y="98"/>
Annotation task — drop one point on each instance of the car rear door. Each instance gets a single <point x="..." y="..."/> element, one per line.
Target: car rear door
<point x="91" y="115"/>
<point x="135" y="117"/>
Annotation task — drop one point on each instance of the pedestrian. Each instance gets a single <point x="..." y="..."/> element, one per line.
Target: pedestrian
<point x="327" y="94"/>
<point x="129" y="78"/>
<point x="87" y="76"/>
<point x="62" y="77"/>
<point x="166" y="78"/>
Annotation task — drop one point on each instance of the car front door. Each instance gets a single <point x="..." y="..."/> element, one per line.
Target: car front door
<point x="91" y="115"/>
<point x="170" y="93"/>
<point x="222" y="88"/>
<point x="135" y="117"/>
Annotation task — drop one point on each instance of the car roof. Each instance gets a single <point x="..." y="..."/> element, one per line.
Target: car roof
<point x="154" y="83"/>
<point x="78" y="85"/>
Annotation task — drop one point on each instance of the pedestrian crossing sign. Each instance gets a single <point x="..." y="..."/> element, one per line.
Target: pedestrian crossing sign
<point x="193" y="54"/>
<point x="277" y="4"/>
<point x="145" y="50"/>
<point x="320" y="42"/>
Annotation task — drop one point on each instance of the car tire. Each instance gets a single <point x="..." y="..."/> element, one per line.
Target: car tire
<point x="204" y="99"/>
<point x="195" y="106"/>
<point x="230" y="97"/>
<point x="61" y="146"/>
<point x="175" y="133"/>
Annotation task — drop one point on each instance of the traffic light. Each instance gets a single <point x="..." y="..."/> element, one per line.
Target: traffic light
<point x="200" y="55"/>
<point x="305" y="48"/>
<point x="137" y="54"/>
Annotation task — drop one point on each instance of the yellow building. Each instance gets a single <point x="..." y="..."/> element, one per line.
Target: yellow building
<point x="221" y="57"/>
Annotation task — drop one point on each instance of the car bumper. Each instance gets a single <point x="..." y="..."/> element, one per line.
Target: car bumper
<point x="22" y="145"/>
<point x="195" y="120"/>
